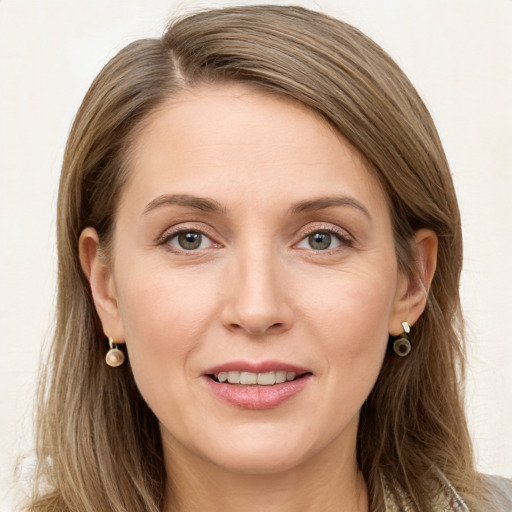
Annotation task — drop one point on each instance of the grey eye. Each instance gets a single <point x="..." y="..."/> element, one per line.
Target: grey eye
<point x="189" y="241"/>
<point x="320" y="241"/>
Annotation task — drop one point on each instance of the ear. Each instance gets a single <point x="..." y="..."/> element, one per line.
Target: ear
<point x="101" y="280"/>
<point x="412" y="293"/>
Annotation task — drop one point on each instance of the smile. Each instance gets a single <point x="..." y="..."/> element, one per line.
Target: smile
<point x="259" y="379"/>
<point x="264" y="385"/>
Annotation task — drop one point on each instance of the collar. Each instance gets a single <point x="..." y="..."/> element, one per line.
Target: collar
<point x="444" y="497"/>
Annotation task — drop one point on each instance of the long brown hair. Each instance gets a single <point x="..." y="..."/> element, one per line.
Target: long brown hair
<point x="98" y="443"/>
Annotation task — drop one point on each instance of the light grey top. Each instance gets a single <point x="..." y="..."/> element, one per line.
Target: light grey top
<point x="448" y="500"/>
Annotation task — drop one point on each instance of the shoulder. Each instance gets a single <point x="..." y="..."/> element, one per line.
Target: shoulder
<point x="501" y="492"/>
<point x="499" y="499"/>
<point x="444" y="497"/>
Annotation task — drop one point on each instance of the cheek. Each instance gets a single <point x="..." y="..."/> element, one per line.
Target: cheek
<point x="351" y="321"/>
<point x="354" y="306"/>
<point x="164" y="315"/>
<point x="157" y="302"/>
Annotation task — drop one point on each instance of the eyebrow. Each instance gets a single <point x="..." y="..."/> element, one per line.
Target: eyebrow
<point x="211" y="206"/>
<point x="322" y="203"/>
<point x="199" y="203"/>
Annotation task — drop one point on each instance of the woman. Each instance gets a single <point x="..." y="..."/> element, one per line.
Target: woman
<point x="259" y="259"/>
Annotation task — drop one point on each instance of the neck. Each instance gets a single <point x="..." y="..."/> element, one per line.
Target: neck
<point x="327" y="483"/>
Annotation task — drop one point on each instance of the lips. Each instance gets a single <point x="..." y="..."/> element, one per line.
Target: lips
<point x="250" y="378"/>
<point x="256" y="386"/>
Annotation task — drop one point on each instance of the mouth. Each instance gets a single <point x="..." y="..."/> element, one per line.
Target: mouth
<point x="263" y="385"/>
<point x="244" y="378"/>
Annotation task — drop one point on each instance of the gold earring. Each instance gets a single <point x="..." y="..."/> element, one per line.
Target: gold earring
<point x="114" y="357"/>
<point x="402" y="346"/>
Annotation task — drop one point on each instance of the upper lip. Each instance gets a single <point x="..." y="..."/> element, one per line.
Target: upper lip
<point x="261" y="367"/>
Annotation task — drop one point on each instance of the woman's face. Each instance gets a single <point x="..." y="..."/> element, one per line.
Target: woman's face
<point x="252" y="239"/>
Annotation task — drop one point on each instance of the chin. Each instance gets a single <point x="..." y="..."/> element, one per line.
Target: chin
<point x="259" y="461"/>
<point x="262" y="453"/>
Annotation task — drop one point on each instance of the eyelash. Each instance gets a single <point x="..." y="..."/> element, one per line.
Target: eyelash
<point x="170" y="235"/>
<point x="343" y="238"/>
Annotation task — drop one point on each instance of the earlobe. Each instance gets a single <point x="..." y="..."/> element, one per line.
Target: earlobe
<point x="101" y="280"/>
<point x="413" y="292"/>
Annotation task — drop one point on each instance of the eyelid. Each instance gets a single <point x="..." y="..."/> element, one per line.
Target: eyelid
<point x="173" y="231"/>
<point x="342" y="234"/>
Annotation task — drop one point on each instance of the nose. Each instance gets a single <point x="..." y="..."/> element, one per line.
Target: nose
<point x="258" y="302"/>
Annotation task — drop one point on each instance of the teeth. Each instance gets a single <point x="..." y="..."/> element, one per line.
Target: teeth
<point x="234" y="377"/>
<point x="267" y="379"/>
<point x="249" y="378"/>
<point x="280" y="377"/>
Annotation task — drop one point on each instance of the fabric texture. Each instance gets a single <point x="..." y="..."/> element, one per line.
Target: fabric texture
<point x="446" y="499"/>
<point x="501" y="492"/>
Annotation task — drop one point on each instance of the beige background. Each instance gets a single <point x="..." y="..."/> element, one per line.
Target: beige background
<point x="457" y="53"/>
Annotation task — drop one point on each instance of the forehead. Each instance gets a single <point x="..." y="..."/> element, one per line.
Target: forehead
<point x="233" y="139"/>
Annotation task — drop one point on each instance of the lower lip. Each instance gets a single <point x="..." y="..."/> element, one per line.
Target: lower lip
<point x="257" y="397"/>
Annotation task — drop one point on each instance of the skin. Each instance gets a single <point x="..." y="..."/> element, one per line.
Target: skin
<point x="256" y="289"/>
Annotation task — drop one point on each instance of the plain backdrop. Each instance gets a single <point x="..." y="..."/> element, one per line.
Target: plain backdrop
<point x="456" y="52"/>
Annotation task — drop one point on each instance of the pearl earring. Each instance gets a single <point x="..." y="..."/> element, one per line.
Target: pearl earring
<point x="402" y="346"/>
<point x="114" y="357"/>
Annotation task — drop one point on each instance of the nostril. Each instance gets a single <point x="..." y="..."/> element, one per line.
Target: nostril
<point x="257" y="331"/>
<point x="256" y="321"/>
